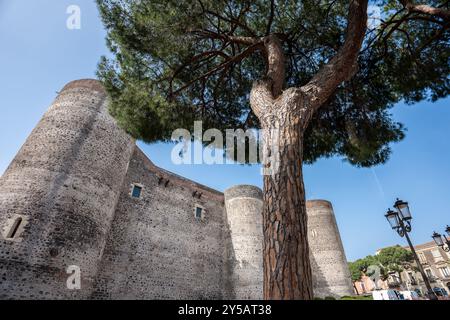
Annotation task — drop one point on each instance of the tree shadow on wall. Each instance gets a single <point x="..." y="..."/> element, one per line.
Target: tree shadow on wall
<point x="320" y="283"/>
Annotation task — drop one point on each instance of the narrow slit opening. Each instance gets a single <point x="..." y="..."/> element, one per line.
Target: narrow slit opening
<point x="15" y="228"/>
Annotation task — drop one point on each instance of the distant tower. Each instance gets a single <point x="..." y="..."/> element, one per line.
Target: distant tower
<point x="244" y="214"/>
<point x="331" y="275"/>
<point x="58" y="196"/>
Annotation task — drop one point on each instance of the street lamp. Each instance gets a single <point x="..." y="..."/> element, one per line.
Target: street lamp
<point x="442" y="241"/>
<point x="403" y="209"/>
<point x="393" y="219"/>
<point x="400" y="221"/>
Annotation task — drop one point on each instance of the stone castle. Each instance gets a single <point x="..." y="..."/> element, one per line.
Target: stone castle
<point x="81" y="193"/>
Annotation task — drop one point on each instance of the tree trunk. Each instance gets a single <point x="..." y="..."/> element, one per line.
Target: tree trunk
<point x="284" y="117"/>
<point x="287" y="270"/>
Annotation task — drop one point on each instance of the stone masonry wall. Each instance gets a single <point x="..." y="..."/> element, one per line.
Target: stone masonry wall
<point x="244" y="213"/>
<point x="69" y="192"/>
<point x="331" y="275"/>
<point x="62" y="188"/>
<point x="157" y="248"/>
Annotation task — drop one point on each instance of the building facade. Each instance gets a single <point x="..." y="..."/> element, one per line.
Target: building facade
<point x="435" y="262"/>
<point x="84" y="214"/>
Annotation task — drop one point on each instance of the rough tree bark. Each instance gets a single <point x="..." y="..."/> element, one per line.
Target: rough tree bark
<point x="284" y="116"/>
<point x="426" y="9"/>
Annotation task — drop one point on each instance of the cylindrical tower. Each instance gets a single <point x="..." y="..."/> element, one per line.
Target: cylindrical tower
<point x="58" y="197"/>
<point x="331" y="275"/>
<point x="244" y="215"/>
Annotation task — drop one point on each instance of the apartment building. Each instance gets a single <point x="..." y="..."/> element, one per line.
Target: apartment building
<point x="435" y="262"/>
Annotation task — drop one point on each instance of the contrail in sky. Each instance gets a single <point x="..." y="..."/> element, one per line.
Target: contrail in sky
<point x="380" y="187"/>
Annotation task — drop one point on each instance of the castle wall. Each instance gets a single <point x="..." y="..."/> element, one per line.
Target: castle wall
<point x="244" y="215"/>
<point x="157" y="248"/>
<point x="68" y="192"/>
<point x="61" y="188"/>
<point x="331" y="275"/>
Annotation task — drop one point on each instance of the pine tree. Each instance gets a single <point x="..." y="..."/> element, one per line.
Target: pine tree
<point x="313" y="71"/>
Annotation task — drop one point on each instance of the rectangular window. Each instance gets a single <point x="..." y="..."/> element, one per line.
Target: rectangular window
<point x="445" y="272"/>
<point x="429" y="273"/>
<point x="198" y="212"/>
<point x="422" y="257"/>
<point x="137" y="191"/>
<point x="437" y="255"/>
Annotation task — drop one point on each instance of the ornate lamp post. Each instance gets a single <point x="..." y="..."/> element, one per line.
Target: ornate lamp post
<point x="441" y="240"/>
<point x="400" y="221"/>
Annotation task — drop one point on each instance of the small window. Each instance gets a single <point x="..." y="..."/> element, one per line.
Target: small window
<point x="437" y="255"/>
<point x="137" y="191"/>
<point x="422" y="257"/>
<point x="198" y="213"/>
<point x="14" y="228"/>
<point x="445" y="272"/>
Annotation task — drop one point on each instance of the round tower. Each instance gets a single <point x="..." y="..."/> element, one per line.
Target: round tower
<point x="244" y="215"/>
<point x="331" y="275"/>
<point x="58" y="197"/>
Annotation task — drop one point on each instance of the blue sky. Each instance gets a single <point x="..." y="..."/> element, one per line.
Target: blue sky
<point x="39" y="55"/>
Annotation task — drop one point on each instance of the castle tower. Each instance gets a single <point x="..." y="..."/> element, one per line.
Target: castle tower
<point x="331" y="275"/>
<point x="244" y="215"/>
<point x="58" y="197"/>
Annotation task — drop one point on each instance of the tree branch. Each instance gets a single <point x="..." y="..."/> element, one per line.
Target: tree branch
<point x="437" y="35"/>
<point x="225" y="64"/>
<point x="235" y="39"/>
<point x="268" y="88"/>
<point x="271" y="17"/>
<point x="192" y="60"/>
<point x="275" y="64"/>
<point x="232" y="21"/>
<point x="342" y="66"/>
<point x="426" y="9"/>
